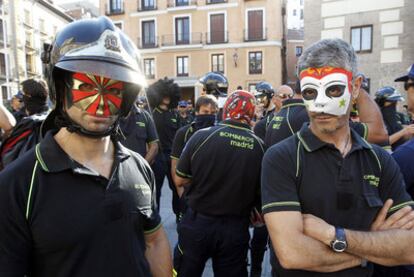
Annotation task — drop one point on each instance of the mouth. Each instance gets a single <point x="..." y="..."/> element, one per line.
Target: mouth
<point x="322" y="116"/>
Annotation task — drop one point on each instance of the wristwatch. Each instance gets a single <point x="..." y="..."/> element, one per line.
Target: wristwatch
<point x="339" y="243"/>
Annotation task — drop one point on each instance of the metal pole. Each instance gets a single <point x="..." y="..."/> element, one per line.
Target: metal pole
<point x="6" y="50"/>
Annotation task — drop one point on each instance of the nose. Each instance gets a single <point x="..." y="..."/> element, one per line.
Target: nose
<point x="321" y="99"/>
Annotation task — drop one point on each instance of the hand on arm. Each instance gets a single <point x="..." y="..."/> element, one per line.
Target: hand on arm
<point x="152" y="152"/>
<point x="177" y="180"/>
<point x="158" y="253"/>
<point x="295" y="249"/>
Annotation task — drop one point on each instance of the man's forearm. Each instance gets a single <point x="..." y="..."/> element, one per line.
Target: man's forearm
<point x="152" y="152"/>
<point x="158" y="254"/>
<point x="389" y="247"/>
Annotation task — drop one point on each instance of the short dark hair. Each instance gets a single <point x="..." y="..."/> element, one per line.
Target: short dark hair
<point x="35" y="88"/>
<point x="204" y="101"/>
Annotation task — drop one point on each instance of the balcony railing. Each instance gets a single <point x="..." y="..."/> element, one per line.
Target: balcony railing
<point x="181" y="3"/>
<point x="217" y="37"/>
<point x="208" y="2"/>
<point x="115" y="10"/>
<point x="142" y="6"/>
<point x="183" y="39"/>
<point x="148" y="43"/>
<point x="255" y="34"/>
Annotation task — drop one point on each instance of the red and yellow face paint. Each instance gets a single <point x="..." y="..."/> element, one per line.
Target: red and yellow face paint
<point x="97" y="95"/>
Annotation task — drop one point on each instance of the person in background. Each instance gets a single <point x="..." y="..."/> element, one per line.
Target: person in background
<point x="184" y="113"/>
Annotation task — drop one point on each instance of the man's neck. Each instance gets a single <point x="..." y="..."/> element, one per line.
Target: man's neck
<point x="163" y="107"/>
<point x="340" y="137"/>
<point x="94" y="153"/>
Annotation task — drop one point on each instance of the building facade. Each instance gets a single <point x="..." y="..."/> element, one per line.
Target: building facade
<point x="295" y="14"/>
<point x="294" y="49"/>
<point x="24" y="28"/>
<point x="184" y="39"/>
<point x="381" y="32"/>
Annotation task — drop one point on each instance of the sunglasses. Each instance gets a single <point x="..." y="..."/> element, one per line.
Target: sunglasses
<point x="408" y="85"/>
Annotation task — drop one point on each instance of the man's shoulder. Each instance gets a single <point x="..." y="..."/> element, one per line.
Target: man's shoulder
<point x="184" y="129"/>
<point x="20" y="171"/>
<point x="286" y="146"/>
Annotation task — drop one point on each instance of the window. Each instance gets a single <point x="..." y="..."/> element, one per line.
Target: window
<point x="148" y="4"/>
<point x="252" y="88"/>
<point x="42" y="25"/>
<point x="29" y="66"/>
<point x="255" y="62"/>
<point x="361" y="38"/>
<point x="115" y="6"/>
<point x="217" y="63"/>
<point x="149" y="68"/>
<point x="215" y="1"/>
<point x="301" y="13"/>
<point x="301" y="2"/>
<point x="255" y="25"/>
<point x="217" y="29"/>
<point x="182" y="66"/>
<point x="4" y="94"/>
<point x="1" y="30"/>
<point x="294" y="12"/>
<point x="182" y="30"/>
<point x="181" y="2"/>
<point x="2" y="64"/>
<point x="298" y="50"/>
<point x="28" y="39"/>
<point x="148" y="34"/>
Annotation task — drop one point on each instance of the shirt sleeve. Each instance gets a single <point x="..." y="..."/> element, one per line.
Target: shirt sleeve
<point x="152" y="135"/>
<point x="403" y="157"/>
<point x="15" y="236"/>
<point x="178" y="144"/>
<point x="278" y="180"/>
<point x="392" y="183"/>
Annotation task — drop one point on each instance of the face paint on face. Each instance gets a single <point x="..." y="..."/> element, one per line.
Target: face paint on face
<point x="326" y="90"/>
<point x="97" y="95"/>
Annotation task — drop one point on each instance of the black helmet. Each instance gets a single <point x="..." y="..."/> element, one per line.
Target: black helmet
<point x="215" y="83"/>
<point x="264" y="89"/>
<point x="387" y="94"/>
<point x="97" y="47"/>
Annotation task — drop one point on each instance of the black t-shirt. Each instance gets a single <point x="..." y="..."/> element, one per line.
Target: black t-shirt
<point x="59" y="218"/>
<point x="181" y="138"/>
<point x="139" y="130"/>
<point x="167" y="123"/>
<point x="223" y="163"/>
<point x="287" y="121"/>
<point x="261" y="126"/>
<point x="305" y="174"/>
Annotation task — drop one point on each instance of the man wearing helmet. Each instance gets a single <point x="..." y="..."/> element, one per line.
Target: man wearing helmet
<point x="387" y="99"/>
<point x="79" y="203"/>
<point x="221" y="193"/>
<point x="216" y="84"/>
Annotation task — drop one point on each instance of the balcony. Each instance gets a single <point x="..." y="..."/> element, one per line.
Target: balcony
<point x="149" y="43"/>
<point x="144" y="6"/>
<point x="115" y="10"/>
<point x="258" y="34"/>
<point x="217" y="37"/>
<point x="208" y="2"/>
<point x="181" y="3"/>
<point x="184" y="39"/>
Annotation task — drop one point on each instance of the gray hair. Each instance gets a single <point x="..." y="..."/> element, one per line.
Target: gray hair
<point x="329" y="52"/>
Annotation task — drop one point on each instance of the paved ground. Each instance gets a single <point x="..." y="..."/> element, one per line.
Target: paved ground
<point x="168" y="219"/>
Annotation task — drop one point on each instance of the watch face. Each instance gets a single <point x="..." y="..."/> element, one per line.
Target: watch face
<point x="339" y="246"/>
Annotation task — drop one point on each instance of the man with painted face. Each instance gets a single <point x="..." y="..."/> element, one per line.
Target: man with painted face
<point x="322" y="189"/>
<point x="79" y="203"/>
<point x="220" y="193"/>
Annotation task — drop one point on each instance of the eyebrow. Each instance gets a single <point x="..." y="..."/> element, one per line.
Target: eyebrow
<point x="334" y="81"/>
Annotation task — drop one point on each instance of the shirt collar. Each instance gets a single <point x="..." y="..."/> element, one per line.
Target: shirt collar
<point x="52" y="158"/>
<point x="235" y="124"/>
<point x="312" y="143"/>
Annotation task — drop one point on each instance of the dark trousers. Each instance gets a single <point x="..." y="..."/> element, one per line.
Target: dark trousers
<point x="258" y="246"/>
<point x="162" y="168"/>
<point x="224" y="239"/>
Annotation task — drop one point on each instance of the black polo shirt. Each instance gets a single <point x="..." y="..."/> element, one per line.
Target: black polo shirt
<point x="223" y="163"/>
<point x="139" y="130"/>
<point x="305" y="174"/>
<point x="181" y="138"/>
<point x="287" y="121"/>
<point x="261" y="126"/>
<point x="59" y="218"/>
<point x="167" y="124"/>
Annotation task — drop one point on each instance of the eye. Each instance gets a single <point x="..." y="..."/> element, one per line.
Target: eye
<point x="335" y="91"/>
<point x="114" y="91"/>
<point x="309" y="93"/>
<point x="86" y="87"/>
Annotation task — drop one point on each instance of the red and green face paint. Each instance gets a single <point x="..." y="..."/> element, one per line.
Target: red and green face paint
<point x="97" y="95"/>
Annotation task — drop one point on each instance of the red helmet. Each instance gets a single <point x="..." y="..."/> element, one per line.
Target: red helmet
<point x="239" y="105"/>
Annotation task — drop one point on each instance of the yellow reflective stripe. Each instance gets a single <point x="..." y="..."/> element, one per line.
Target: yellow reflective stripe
<point x="298" y="159"/>
<point x="153" y="229"/>
<point x="174" y="158"/>
<point x="236" y="127"/>
<point x="303" y="142"/>
<point x="174" y="273"/>
<point x="288" y="122"/>
<point x="29" y="197"/>
<point x="279" y="204"/>
<point x="181" y="174"/>
<point x="376" y="157"/>
<point x="154" y="141"/>
<point x="40" y="159"/>
<point x="399" y="206"/>
<point x="179" y="249"/>
<point x="365" y="130"/>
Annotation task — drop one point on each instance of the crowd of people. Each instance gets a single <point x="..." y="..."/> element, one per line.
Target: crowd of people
<point x="320" y="173"/>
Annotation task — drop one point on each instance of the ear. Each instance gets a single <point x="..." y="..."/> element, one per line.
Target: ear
<point x="356" y="86"/>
